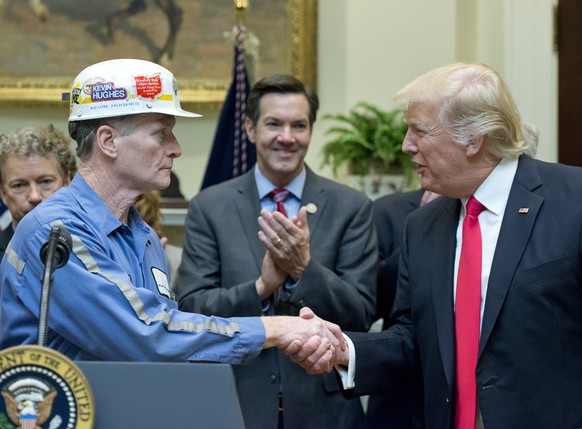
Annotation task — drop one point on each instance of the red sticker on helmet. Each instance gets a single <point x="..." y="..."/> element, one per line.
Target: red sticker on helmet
<point x="148" y="87"/>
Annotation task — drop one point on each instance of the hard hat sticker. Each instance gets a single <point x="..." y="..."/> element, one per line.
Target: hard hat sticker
<point x="106" y="91"/>
<point x="75" y="94"/>
<point x="148" y="86"/>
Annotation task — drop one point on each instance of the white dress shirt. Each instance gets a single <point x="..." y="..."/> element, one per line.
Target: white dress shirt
<point x="493" y="194"/>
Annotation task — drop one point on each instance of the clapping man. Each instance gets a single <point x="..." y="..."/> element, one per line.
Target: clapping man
<point x="314" y="245"/>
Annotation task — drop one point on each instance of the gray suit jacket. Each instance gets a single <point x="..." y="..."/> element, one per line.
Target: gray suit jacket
<point x="529" y="370"/>
<point x="222" y="259"/>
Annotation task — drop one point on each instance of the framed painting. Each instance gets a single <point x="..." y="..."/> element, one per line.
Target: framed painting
<point x="46" y="43"/>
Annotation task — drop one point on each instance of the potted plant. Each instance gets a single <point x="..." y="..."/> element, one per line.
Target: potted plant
<point x="368" y="143"/>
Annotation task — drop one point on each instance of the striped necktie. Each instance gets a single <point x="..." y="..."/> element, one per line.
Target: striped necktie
<point x="278" y="196"/>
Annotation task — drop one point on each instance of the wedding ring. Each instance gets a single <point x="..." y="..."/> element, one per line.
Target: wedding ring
<point x="278" y="241"/>
<point x="329" y="346"/>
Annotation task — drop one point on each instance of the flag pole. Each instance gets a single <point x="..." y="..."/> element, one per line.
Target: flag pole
<point x="240" y="136"/>
<point x="240" y="6"/>
<point x="232" y="153"/>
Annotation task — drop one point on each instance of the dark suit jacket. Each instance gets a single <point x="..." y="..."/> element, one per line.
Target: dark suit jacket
<point x="222" y="259"/>
<point x="529" y="370"/>
<point x="399" y="408"/>
<point x="5" y="237"/>
<point x="389" y="212"/>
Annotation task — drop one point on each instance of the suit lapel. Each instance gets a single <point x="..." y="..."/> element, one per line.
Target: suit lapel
<point x="520" y="213"/>
<point x="442" y="263"/>
<point x="415" y="198"/>
<point x="248" y="206"/>
<point x="313" y="193"/>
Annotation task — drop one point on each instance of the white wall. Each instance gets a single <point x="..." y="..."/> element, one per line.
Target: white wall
<point x="390" y="42"/>
<point x="530" y="67"/>
<point x="371" y="48"/>
<point x="368" y="49"/>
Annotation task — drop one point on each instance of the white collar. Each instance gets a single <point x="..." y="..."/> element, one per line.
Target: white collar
<point x="493" y="193"/>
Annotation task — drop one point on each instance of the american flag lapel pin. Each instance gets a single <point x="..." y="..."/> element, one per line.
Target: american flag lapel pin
<point x="523" y="210"/>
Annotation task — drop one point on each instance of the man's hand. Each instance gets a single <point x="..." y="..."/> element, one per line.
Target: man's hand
<point x="287" y="240"/>
<point x="272" y="278"/>
<point x="316" y="356"/>
<point x="308" y="338"/>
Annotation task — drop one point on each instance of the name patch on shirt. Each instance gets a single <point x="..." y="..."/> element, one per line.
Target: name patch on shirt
<point x="161" y="280"/>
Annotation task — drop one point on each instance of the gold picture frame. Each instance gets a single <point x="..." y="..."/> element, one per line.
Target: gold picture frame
<point x="291" y="42"/>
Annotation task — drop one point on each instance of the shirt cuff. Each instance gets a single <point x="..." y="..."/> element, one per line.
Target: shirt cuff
<point x="348" y="375"/>
<point x="266" y="305"/>
<point x="288" y="288"/>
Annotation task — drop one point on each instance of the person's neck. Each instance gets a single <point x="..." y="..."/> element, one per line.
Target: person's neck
<point x="115" y="197"/>
<point x="280" y="180"/>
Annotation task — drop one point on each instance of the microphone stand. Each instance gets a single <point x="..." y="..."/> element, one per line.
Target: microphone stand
<point x="47" y="282"/>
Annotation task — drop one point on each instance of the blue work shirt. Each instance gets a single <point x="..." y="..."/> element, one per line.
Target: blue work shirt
<point x="112" y="300"/>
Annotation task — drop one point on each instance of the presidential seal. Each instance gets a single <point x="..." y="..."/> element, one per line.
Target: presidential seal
<point x="43" y="389"/>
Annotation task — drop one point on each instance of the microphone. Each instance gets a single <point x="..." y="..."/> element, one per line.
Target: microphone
<point x="54" y="253"/>
<point x="57" y="247"/>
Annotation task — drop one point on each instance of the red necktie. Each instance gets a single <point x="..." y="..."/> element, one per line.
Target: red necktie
<point x="278" y="196"/>
<point x="467" y="317"/>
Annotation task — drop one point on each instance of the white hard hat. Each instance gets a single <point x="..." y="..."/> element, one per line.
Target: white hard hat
<point x="124" y="87"/>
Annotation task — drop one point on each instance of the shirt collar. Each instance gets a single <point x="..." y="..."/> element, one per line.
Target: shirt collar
<point x="264" y="185"/>
<point x="92" y="203"/>
<point x="494" y="191"/>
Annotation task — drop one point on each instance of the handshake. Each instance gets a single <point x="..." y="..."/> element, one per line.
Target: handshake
<point x="311" y="342"/>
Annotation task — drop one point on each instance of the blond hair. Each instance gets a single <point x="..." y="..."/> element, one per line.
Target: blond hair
<point x="472" y="101"/>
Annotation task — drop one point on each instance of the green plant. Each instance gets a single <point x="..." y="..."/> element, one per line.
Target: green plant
<point x="369" y="140"/>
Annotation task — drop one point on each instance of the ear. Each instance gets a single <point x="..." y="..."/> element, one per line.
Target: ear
<point x="250" y="128"/>
<point x="105" y="139"/>
<point x="475" y="146"/>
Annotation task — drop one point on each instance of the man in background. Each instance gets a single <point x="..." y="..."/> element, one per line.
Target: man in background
<point x="34" y="163"/>
<point x="317" y="235"/>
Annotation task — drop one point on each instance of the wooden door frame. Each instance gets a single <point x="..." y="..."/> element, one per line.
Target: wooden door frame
<point x="569" y="44"/>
